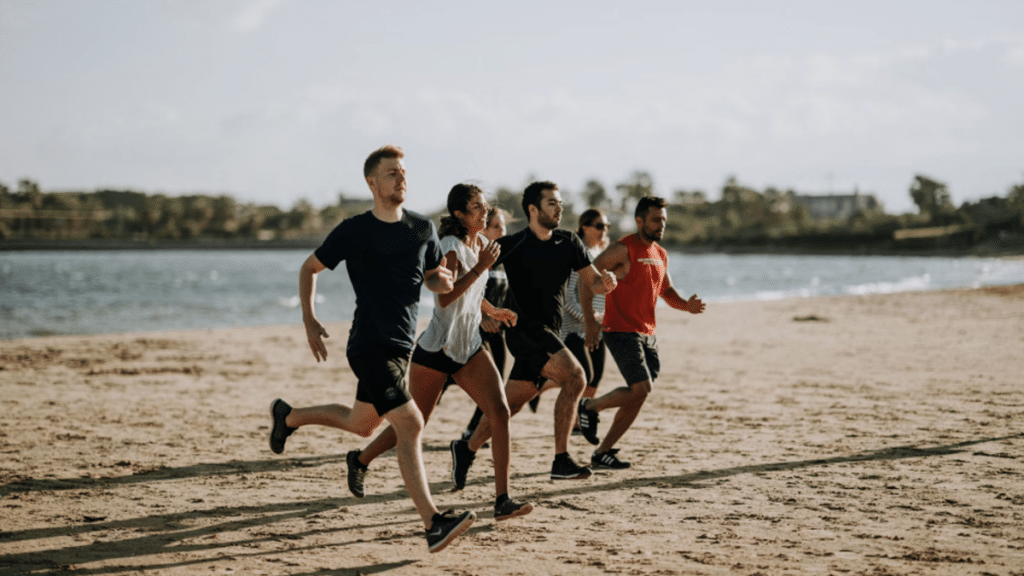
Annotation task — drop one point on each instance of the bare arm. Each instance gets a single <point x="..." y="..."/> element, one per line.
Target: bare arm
<point x="459" y="286"/>
<point x="694" y="305"/>
<point x="438" y="280"/>
<point x="315" y="331"/>
<point x="498" y="314"/>
<point x="485" y="258"/>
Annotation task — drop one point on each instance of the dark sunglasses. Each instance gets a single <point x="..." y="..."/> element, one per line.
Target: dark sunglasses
<point x="598" y="225"/>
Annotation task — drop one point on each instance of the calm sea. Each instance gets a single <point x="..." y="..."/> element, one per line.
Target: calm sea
<point x="47" y="293"/>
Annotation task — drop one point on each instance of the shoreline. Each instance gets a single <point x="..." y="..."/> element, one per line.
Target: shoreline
<point x="997" y="288"/>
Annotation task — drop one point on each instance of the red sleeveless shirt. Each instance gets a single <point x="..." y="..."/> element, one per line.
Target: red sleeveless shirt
<point x="630" y="307"/>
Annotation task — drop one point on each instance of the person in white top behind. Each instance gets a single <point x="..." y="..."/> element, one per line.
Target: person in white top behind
<point x="452" y="346"/>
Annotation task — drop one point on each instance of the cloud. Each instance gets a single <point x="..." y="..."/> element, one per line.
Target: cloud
<point x="253" y="14"/>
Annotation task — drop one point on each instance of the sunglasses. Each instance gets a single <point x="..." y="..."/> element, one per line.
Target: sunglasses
<point x="598" y="225"/>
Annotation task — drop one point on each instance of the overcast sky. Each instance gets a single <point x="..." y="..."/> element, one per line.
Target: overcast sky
<point x="276" y="100"/>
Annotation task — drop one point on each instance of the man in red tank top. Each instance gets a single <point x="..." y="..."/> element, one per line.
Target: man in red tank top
<point x="641" y="267"/>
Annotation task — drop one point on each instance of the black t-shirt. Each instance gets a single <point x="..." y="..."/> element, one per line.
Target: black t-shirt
<point x="385" y="262"/>
<point x="537" y="274"/>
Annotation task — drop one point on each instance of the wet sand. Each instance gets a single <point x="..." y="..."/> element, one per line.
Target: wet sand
<point x="858" y="435"/>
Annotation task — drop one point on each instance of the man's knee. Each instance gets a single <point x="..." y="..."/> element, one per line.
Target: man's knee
<point x="406" y="419"/>
<point x="639" y="392"/>
<point x="575" y="379"/>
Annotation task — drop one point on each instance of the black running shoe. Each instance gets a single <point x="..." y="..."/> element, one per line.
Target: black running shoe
<point x="567" y="469"/>
<point x="588" y="422"/>
<point x="608" y="460"/>
<point x="510" y="508"/>
<point x="356" y="473"/>
<point x="447" y="527"/>
<point x="462" y="459"/>
<point x="279" y="432"/>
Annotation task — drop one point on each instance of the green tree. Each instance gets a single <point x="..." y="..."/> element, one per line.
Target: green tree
<point x="932" y="197"/>
<point x="595" y="195"/>
<point x="639" y="184"/>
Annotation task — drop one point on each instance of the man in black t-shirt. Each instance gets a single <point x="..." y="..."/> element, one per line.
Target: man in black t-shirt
<point x="390" y="253"/>
<point x="538" y="262"/>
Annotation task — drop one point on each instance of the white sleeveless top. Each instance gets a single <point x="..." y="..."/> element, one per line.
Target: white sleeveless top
<point x="455" y="329"/>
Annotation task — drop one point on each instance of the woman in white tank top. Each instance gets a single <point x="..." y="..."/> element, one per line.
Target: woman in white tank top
<point x="452" y="346"/>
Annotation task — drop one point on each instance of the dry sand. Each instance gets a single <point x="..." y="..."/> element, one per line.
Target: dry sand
<point x="857" y="435"/>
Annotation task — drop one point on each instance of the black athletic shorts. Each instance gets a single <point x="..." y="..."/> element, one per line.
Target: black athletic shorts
<point x="531" y="348"/>
<point x="636" y="355"/>
<point x="438" y="360"/>
<point x="380" y="372"/>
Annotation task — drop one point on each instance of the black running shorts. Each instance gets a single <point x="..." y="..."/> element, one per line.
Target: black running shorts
<point x="380" y="372"/>
<point x="438" y="360"/>
<point x="531" y="349"/>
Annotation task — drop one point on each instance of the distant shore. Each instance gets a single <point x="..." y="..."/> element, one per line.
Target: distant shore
<point x="978" y="250"/>
<point x="199" y="244"/>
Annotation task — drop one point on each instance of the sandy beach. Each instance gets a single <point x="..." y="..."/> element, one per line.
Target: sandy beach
<point x="855" y="435"/>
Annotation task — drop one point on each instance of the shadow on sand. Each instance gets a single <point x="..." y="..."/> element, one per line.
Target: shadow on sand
<point x="168" y="533"/>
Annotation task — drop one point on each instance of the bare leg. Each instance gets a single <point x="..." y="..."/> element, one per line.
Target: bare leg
<point x="480" y="379"/>
<point x="518" y="393"/>
<point x="564" y="371"/>
<point x="408" y="425"/>
<point x="425" y="385"/>
<point x="362" y="419"/>
<point x="629" y="400"/>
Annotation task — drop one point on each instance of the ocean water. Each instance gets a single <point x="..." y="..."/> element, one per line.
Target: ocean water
<point x="49" y="293"/>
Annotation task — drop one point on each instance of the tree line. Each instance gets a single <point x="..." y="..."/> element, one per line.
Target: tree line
<point x="742" y="218"/>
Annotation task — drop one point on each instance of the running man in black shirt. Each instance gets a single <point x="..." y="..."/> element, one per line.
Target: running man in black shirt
<point x="538" y="262"/>
<point x="390" y="253"/>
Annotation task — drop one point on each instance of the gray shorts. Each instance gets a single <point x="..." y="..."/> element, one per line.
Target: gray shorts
<point x="635" y="354"/>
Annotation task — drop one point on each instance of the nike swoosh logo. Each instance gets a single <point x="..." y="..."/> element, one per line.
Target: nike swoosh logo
<point x="558" y="241"/>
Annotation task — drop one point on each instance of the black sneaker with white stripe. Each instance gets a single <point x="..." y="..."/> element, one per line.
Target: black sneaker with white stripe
<point x="447" y="527"/>
<point x="588" y="422"/>
<point x="608" y="460"/>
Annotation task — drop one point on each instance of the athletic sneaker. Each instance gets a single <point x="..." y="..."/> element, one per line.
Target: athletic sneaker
<point x="279" y="432"/>
<point x="447" y="527"/>
<point x="608" y="460"/>
<point x="509" y="508"/>
<point x="356" y="473"/>
<point x="462" y="459"/>
<point x="565" y="468"/>
<point x="588" y="422"/>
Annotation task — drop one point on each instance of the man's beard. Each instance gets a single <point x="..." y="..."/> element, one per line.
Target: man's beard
<point x="652" y="236"/>
<point x="546" y="221"/>
<point x="395" y="196"/>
